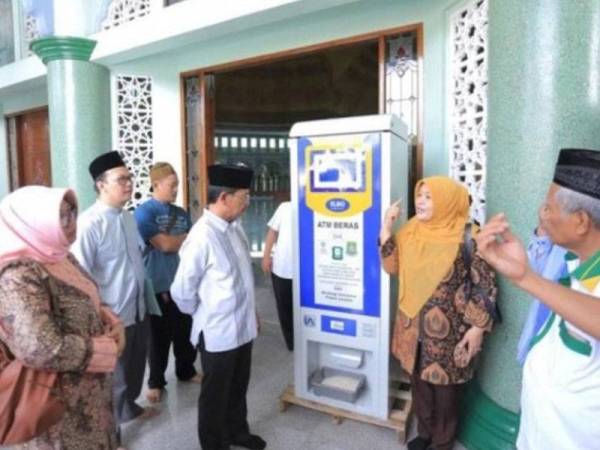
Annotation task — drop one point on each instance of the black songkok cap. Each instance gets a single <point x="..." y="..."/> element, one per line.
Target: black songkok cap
<point x="579" y="170"/>
<point x="105" y="162"/>
<point x="238" y="177"/>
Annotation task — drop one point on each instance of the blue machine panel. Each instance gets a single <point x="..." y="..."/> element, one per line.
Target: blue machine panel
<point x="371" y="218"/>
<point x="337" y="325"/>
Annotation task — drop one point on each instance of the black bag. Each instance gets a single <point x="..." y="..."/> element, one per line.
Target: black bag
<point x="471" y="290"/>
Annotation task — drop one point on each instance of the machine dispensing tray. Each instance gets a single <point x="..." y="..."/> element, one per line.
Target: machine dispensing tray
<point x="337" y="384"/>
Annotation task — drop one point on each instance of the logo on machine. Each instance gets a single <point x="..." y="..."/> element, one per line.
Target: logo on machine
<point x="309" y="321"/>
<point x="338" y="170"/>
<point x="337" y="205"/>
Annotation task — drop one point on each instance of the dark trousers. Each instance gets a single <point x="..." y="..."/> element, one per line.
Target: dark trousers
<point x="436" y="408"/>
<point x="282" y="287"/>
<point x="128" y="376"/>
<point x="222" y="410"/>
<point x="175" y="327"/>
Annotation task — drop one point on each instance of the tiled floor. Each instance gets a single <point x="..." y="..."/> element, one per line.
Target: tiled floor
<point x="272" y="370"/>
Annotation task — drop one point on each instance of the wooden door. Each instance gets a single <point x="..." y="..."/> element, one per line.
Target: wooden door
<point x="199" y="118"/>
<point x="32" y="149"/>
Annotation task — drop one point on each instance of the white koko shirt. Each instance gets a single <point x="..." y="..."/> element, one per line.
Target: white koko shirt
<point x="108" y="247"/>
<point x="282" y="255"/>
<point x="214" y="284"/>
<point x="560" y="398"/>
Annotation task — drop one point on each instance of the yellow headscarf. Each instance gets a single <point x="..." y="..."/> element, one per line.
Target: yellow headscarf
<point x="427" y="250"/>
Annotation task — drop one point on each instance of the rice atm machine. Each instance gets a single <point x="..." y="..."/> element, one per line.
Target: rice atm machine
<point x="344" y="173"/>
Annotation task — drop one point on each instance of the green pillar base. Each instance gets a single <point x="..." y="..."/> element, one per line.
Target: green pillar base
<point x="60" y="48"/>
<point x="485" y="425"/>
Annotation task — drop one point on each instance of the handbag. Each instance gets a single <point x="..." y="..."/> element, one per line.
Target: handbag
<point x="472" y="289"/>
<point x="29" y="405"/>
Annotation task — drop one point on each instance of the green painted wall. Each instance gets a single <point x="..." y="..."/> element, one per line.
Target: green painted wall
<point x="33" y="95"/>
<point x="544" y="94"/>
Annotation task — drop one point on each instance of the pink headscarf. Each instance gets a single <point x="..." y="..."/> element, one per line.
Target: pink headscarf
<point x="30" y="228"/>
<point x="30" y="224"/>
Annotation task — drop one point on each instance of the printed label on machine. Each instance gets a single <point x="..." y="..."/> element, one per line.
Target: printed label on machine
<point x="339" y="261"/>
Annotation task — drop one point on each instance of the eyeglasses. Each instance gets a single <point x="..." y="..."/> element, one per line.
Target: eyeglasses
<point x="68" y="216"/>
<point x="245" y="196"/>
<point x="123" y="180"/>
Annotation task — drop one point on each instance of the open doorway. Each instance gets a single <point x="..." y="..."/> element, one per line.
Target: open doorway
<point x="243" y="112"/>
<point x="256" y="107"/>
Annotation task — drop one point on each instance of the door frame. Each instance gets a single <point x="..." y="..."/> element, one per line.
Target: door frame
<point x="205" y="142"/>
<point x="14" y="152"/>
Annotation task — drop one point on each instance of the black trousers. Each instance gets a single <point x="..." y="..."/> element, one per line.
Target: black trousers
<point x="436" y="407"/>
<point x="173" y="327"/>
<point x="282" y="287"/>
<point x="222" y="409"/>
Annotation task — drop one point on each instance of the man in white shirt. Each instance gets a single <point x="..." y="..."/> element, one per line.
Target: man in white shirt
<point x="560" y="398"/>
<point x="214" y="284"/>
<point x="107" y="246"/>
<point x="280" y="266"/>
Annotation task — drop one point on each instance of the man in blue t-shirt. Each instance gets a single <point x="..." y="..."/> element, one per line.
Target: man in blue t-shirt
<point x="163" y="227"/>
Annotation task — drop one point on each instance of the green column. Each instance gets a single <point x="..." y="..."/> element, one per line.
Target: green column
<point x="544" y="94"/>
<point x="79" y="110"/>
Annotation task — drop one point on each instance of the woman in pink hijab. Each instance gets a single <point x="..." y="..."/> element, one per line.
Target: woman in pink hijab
<point x="51" y="317"/>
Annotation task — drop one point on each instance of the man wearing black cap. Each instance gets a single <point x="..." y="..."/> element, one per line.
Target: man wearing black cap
<point x="560" y="400"/>
<point x="107" y="246"/>
<point x="214" y="284"/>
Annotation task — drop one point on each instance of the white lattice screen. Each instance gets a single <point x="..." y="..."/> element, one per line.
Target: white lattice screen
<point x="32" y="32"/>
<point x="123" y="11"/>
<point x="134" y="131"/>
<point x="468" y="100"/>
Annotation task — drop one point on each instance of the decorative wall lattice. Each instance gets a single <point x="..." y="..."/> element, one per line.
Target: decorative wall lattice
<point x="134" y="131"/>
<point x="32" y="32"/>
<point x="468" y="100"/>
<point x="123" y="11"/>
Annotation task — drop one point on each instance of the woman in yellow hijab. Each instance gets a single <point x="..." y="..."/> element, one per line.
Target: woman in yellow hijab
<point x="446" y="292"/>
